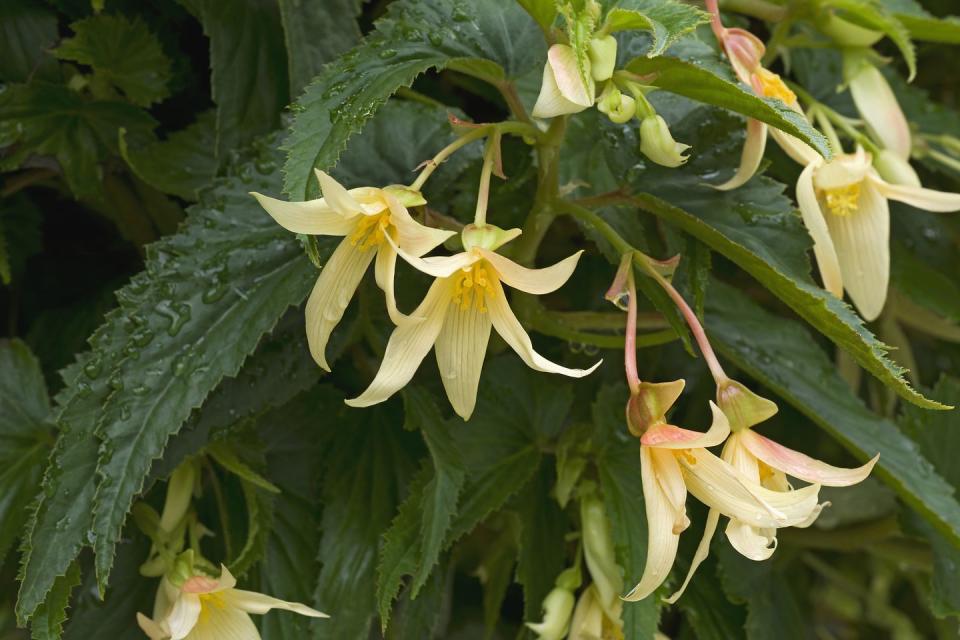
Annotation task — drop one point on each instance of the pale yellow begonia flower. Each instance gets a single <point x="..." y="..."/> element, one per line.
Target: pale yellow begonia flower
<point x="674" y="461"/>
<point x="457" y="314"/>
<point x="205" y="608"/>
<point x="367" y="217"/>
<point x="564" y="90"/>
<point x="844" y="207"/>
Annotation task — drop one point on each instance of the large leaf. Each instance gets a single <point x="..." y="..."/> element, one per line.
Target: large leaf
<point x="542" y="554"/>
<point x="246" y="57"/>
<point x="666" y="20"/>
<point x="780" y="354"/>
<point x="121" y="52"/>
<point x="50" y="119"/>
<point x="24" y="436"/>
<point x="303" y="21"/>
<point x="27" y="30"/>
<point x="488" y="38"/>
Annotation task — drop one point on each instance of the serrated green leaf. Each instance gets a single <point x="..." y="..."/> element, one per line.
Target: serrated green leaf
<point x="182" y="164"/>
<point x="704" y="83"/>
<point x="922" y="24"/>
<point x="122" y="52"/>
<point x="49" y="119"/>
<point x="543" y="11"/>
<point x="247" y="55"/>
<point x="543" y="525"/>
<point x="873" y="15"/>
<point x="27" y="30"/>
<point x="225" y="454"/>
<point x="666" y="20"/>
<point x="427" y="615"/>
<point x="370" y="465"/>
<point x="47" y="624"/>
<point x="303" y="21"/>
<point x="25" y="436"/>
<point x="780" y="354"/>
<point x="618" y="464"/>
<point x="412" y="38"/>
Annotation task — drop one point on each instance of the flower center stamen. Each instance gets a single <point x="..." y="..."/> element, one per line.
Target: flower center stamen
<point x="370" y="231"/>
<point x="842" y="201"/>
<point x="772" y="86"/>
<point x="471" y="286"/>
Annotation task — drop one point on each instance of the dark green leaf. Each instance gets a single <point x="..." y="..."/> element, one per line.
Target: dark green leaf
<point x="542" y="554"/>
<point x="666" y="20"/>
<point x="20" y="235"/>
<point x="47" y="624"/>
<point x="873" y="15"/>
<point x="27" y="30"/>
<point x="487" y="38"/>
<point x="706" y="608"/>
<point x="303" y="21"/>
<point x="785" y="358"/>
<point x="121" y="52"/>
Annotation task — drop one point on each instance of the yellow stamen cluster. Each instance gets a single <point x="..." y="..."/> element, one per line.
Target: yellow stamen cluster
<point x="471" y="286"/>
<point x="208" y="600"/>
<point x="370" y="231"/>
<point x="842" y="201"/>
<point x="686" y="455"/>
<point x="772" y="86"/>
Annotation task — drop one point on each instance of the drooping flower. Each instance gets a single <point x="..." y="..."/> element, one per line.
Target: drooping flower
<point x="657" y="143"/>
<point x="877" y="103"/>
<point x="456" y="316"/>
<point x="845" y="209"/>
<point x="674" y="461"/>
<point x="205" y="608"/>
<point x="367" y="217"/>
<point x="565" y="89"/>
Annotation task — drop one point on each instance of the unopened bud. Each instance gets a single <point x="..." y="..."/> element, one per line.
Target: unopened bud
<point x="182" y="569"/>
<point x="179" y="495"/>
<point x="848" y="34"/>
<point x="599" y="551"/>
<point x="895" y="169"/>
<point x="650" y="403"/>
<point x="618" y="107"/>
<point x="877" y="103"/>
<point x="743" y="407"/>
<point x="564" y="90"/>
<point x="603" y="57"/>
<point x="557" y="609"/>
<point x="486" y="236"/>
<point x="658" y="144"/>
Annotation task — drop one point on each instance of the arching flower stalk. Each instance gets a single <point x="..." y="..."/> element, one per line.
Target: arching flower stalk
<point x="373" y="221"/>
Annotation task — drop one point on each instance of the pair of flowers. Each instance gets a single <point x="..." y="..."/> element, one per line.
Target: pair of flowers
<point x="464" y="302"/>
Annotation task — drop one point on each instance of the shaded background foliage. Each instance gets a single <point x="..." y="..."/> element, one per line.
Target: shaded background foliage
<point x="152" y="313"/>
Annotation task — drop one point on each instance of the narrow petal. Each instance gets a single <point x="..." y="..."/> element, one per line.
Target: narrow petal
<point x="862" y="239"/>
<point x="408" y="346"/>
<point x="550" y="102"/>
<point x="258" y="603"/>
<point x="823" y="248"/>
<point x="751" y="542"/>
<point x="801" y="466"/>
<point x="331" y="294"/>
<point x="150" y="627"/>
<point x="667" y="436"/>
<point x="221" y="622"/>
<point x="461" y="348"/>
<point x="436" y="266"/>
<point x="799" y="151"/>
<point x="926" y="199"/>
<point x="750" y="158"/>
<point x="878" y="105"/>
<point x="384" y="270"/>
<point x="313" y="217"/>
<point x="661" y="540"/>
<point x="566" y="73"/>
<point x="413" y="237"/>
<point x="587" y="621"/>
<point x="183" y="615"/>
<point x="226" y="580"/>
<point x="337" y="196"/>
<point x="513" y="334"/>
<point x="536" y="281"/>
<point x="671" y="482"/>
<point x="703" y="550"/>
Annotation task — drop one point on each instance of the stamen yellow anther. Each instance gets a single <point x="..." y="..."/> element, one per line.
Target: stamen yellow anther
<point x="773" y="87"/>
<point x="370" y="231"/>
<point x="471" y="286"/>
<point x="687" y="456"/>
<point x="842" y="201"/>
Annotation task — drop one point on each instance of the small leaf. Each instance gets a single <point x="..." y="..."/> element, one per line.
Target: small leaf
<point x="47" y="624"/>
<point x="666" y="21"/>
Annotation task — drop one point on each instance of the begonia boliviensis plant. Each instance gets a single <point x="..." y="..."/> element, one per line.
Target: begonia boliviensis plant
<point x="352" y="368"/>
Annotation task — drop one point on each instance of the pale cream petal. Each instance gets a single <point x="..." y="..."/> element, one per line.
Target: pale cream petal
<point x="667" y="436"/>
<point x="436" y="266"/>
<point x="183" y="615"/>
<point x="862" y="239"/>
<point x="566" y="73"/>
<point x="461" y="348"/>
<point x="878" y="105"/>
<point x="414" y="238"/>
<point x="551" y="103"/>
<point x="150" y="627"/>
<point x="752" y="542"/>
<point x="337" y="195"/>
<point x="813" y="220"/>
<point x="226" y="580"/>
<point x="703" y="550"/>
<point x="408" y="346"/>
<point x="587" y="621"/>
<point x="671" y="482"/>
<point x="514" y="335"/>
<point x="802" y="466"/>
<point x="536" y="281"/>
<point x="661" y="540"/>
<point x="258" y="603"/>
<point x="798" y="150"/>
<point x="384" y="270"/>
<point x="313" y="217"/>
<point x="750" y="157"/>
<point x="331" y="294"/>
<point x="926" y="199"/>
<point x="844" y="170"/>
<point x="225" y="623"/>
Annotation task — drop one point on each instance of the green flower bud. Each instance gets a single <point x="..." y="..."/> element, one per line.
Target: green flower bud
<point x="603" y="57"/>
<point x="557" y="609"/>
<point x="743" y="407"/>
<point x="650" y="403"/>
<point x="848" y="34"/>
<point x="658" y="145"/>
<point x="486" y="236"/>
<point x="179" y="495"/>
<point x="895" y="169"/>
<point x="618" y="107"/>
<point x="599" y="552"/>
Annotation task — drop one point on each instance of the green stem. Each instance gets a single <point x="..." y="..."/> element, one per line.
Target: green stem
<point x="762" y="9"/>
<point x="483" y="192"/>
<point x="542" y="214"/>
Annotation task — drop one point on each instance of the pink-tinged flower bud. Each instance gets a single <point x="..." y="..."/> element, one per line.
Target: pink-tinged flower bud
<point x="658" y="144"/>
<point x="848" y="34"/>
<point x="564" y="89"/>
<point x="603" y="57"/>
<point x="743" y="407"/>
<point x="745" y="52"/>
<point x="895" y="169"/>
